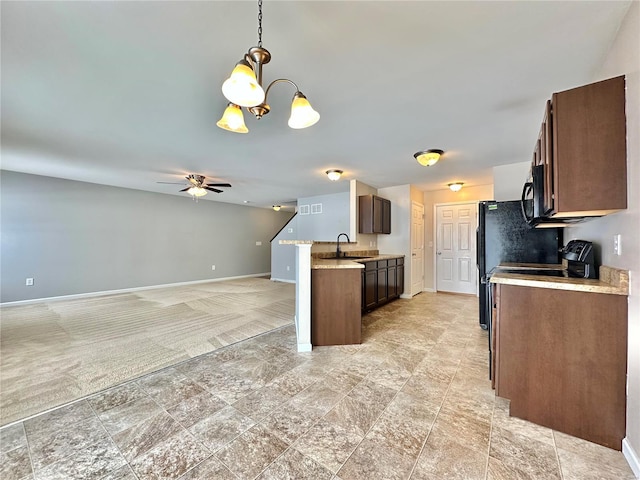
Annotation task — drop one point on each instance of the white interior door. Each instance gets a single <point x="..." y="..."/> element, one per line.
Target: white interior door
<point x="456" y="248"/>
<point x="417" y="248"/>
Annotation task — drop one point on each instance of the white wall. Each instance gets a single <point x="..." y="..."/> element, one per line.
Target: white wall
<point x="509" y="179"/>
<point x="624" y="58"/>
<point x="398" y="242"/>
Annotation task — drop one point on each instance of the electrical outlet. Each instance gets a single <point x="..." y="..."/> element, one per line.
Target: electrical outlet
<point x="617" y="244"/>
<point x="29" y="282"/>
<point x="290" y="230"/>
<point x="288" y="268"/>
<point x="213" y="267"/>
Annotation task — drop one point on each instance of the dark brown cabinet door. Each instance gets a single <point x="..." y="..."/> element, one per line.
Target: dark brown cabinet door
<point x="400" y="278"/>
<point x="588" y="149"/>
<point x="370" y="293"/>
<point x="392" y="281"/>
<point x="383" y="275"/>
<point x="567" y="369"/>
<point x="374" y="214"/>
<point x="378" y="207"/>
<point x="386" y="216"/>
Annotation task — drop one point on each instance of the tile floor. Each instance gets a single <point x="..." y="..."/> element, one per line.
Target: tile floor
<point x="413" y="401"/>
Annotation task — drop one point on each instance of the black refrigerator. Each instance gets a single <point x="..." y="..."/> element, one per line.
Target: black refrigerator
<point x="504" y="236"/>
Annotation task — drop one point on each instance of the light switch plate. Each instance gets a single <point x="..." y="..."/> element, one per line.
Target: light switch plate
<point x="617" y="244"/>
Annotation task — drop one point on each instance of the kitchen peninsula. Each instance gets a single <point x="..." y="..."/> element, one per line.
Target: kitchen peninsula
<point x="330" y="292"/>
<point x="341" y="288"/>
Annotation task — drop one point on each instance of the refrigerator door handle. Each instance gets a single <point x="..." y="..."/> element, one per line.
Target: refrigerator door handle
<point x="478" y="247"/>
<point x="526" y="189"/>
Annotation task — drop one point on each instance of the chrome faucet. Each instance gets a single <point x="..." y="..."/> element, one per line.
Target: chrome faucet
<point x="338" y="244"/>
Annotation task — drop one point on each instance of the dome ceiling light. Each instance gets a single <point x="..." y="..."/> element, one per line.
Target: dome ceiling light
<point x="244" y="89"/>
<point x="456" y="186"/>
<point x="334" y="175"/>
<point x="428" y="158"/>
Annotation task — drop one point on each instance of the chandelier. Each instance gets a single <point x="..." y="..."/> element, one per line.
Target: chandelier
<point x="244" y="89"/>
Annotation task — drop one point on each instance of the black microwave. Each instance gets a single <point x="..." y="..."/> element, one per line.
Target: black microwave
<point x="532" y="203"/>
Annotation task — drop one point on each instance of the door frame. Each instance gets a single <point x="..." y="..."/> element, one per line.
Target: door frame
<point x="435" y="239"/>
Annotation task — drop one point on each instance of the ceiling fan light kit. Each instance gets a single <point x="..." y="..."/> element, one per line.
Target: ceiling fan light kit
<point x="197" y="188"/>
<point x="243" y="88"/>
<point x="428" y="158"/>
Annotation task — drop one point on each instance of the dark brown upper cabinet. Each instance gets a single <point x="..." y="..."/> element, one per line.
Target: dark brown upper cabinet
<point x="582" y="145"/>
<point x="374" y="214"/>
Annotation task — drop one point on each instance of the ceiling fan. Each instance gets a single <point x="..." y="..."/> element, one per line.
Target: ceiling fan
<point x="196" y="186"/>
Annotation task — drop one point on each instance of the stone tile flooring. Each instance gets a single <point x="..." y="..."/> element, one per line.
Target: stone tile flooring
<point x="412" y="401"/>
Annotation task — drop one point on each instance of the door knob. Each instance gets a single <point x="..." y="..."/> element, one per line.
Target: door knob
<point x="439" y="253"/>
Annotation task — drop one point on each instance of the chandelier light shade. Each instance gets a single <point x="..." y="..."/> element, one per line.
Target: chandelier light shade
<point x="428" y="158"/>
<point x="302" y="113"/>
<point x="456" y="186"/>
<point x="334" y="175"/>
<point x="277" y="208"/>
<point x="244" y="88"/>
<point x="233" y="120"/>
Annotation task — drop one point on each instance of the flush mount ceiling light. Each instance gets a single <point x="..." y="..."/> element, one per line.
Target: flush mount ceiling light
<point x="334" y="175"/>
<point x="276" y="207"/>
<point x="244" y="89"/>
<point x="428" y="158"/>
<point x="456" y="186"/>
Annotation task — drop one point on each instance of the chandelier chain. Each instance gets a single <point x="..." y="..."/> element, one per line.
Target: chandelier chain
<point x="260" y="23"/>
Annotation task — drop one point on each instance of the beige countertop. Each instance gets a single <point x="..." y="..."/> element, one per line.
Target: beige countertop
<point x="330" y="263"/>
<point x="612" y="281"/>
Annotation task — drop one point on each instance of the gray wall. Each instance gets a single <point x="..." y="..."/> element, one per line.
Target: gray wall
<point x="325" y="226"/>
<point x="74" y="237"/>
<point x="283" y="257"/>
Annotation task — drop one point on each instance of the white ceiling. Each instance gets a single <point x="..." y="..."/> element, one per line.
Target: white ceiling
<point x="128" y="93"/>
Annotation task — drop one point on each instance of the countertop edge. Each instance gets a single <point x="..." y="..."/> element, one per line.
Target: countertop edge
<point x="333" y="263"/>
<point x="613" y="281"/>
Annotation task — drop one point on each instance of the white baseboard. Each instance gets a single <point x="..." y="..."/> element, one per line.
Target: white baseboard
<point x="406" y="296"/>
<point x="632" y="457"/>
<point x="286" y="280"/>
<point x="128" y="290"/>
<point x="304" y="347"/>
<point x="430" y="290"/>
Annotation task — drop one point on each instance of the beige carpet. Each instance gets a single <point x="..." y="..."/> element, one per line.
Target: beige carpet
<point x="54" y="352"/>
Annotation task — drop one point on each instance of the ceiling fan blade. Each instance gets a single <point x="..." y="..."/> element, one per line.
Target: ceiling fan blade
<point x="218" y="184"/>
<point x="212" y="189"/>
<point x="185" y="189"/>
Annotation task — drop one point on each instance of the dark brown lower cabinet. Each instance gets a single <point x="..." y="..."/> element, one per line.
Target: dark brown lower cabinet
<point x="382" y="281"/>
<point x="335" y="306"/>
<point x="561" y="358"/>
